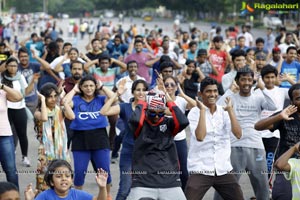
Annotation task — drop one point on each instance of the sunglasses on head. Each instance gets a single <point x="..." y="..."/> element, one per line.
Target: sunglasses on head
<point x="170" y="84"/>
<point x="154" y="114"/>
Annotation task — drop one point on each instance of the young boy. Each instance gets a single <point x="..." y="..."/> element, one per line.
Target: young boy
<point x="289" y="136"/>
<point x="291" y="165"/>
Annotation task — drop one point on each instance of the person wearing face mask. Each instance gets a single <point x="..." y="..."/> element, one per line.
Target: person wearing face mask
<point x="155" y="168"/>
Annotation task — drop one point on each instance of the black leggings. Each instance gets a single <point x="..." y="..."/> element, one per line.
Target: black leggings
<point x="18" y="122"/>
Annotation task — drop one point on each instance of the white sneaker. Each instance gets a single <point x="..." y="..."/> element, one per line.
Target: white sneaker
<point x="26" y="162"/>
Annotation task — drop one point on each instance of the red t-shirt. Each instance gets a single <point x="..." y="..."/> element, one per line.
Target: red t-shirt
<point x="218" y="59"/>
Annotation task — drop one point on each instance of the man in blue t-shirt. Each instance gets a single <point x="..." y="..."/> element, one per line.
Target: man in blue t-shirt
<point x="34" y="44"/>
<point x="28" y="69"/>
<point x="290" y="66"/>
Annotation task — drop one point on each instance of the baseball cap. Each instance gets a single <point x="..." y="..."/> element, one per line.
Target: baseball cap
<point x="276" y="50"/>
<point x="156" y="101"/>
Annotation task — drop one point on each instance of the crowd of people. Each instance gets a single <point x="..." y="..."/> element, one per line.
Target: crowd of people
<point x="182" y="113"/>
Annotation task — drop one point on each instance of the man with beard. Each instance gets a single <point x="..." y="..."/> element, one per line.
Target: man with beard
<point x="260" y="61"/>
<point x="70" y="82"/>
<point x="77" y="72"/>
<point x="248" y="153"/>
<point x="31" y="69"/>
<point x="141" y="58"/>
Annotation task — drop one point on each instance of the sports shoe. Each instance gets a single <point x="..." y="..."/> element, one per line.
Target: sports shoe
<point x="113" y="160"/>
<point x="26" y="162"/>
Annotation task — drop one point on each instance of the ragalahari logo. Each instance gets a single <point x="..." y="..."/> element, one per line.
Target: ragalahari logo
<point x="246" y="8"/>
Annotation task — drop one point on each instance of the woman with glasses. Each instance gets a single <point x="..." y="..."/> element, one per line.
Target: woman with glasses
<point x="12" y="78"/>
<point x="184" y="103"/>
<point x="124" y="110"/>
<point x="7" y="149"/>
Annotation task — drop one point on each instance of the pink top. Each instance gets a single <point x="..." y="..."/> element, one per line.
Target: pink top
<point x="5" y="129"/>
<point x="141" y="59"/>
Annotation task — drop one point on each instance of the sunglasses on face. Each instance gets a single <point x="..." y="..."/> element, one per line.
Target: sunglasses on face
<point x="154" y="114"/>
<point x="170" y="84"/>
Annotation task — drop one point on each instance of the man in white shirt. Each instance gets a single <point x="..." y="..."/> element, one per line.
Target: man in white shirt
<point x="209" y="155"/>
<point x="248" y="153"/>
<point x="248" y="36"/>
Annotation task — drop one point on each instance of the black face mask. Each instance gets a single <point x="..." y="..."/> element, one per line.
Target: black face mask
<point x="76" y="77"/>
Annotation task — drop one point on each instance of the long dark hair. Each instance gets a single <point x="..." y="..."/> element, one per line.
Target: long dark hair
<point x="136" y="82"/>
<point x="5" y="81"/>
<point x="88" y="78"/>
<point x="46" y="91"/>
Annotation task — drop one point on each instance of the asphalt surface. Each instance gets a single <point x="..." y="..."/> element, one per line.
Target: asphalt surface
<point x="27" y="174"/>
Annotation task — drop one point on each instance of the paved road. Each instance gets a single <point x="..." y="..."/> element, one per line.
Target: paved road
<point x="26" y="175"/>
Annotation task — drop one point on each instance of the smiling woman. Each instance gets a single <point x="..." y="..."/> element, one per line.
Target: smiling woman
<point x="90" y="139"/>
<point x="16" y="110"/>
<point x="51" y="132"/>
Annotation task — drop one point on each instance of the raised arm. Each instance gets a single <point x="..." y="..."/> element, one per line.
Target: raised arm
<point x="268" y="122"/>
<point x="11" y="94"/>
<point x="122" y="65"/>
<point x="109" y="109"/>
<point x="190" y="102"/>
<point x="45" y="66"/>
<point x="149" y="63"/>
<point x="282" y="161"/>
<point x="200" y="131"/>
<point x="235" y="126"/>
<point x="23" y="42"/>
<point x="33" y="81"/>
<point x="87" y="65"/>
<point x="59" y="67"/>
<point x="101" y="179"/>
<point x="41" y="115"/>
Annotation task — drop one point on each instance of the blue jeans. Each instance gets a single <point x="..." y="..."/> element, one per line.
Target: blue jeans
<point x="125" y="176"/>
<point x="182" y="153"/>
<point x="8" y="160"/>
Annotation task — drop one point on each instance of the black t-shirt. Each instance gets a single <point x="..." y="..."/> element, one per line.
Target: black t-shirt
<point x="4" y="56"/>
<point x="191" y="86"/>
<point x="93" y="56"/>
<point x="289" y="133"/>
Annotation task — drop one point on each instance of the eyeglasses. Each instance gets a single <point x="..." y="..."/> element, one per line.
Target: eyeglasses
<point x="12" y="65"/>
<point x="154" y="114"/>
<point x="170" y="84"/>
